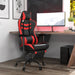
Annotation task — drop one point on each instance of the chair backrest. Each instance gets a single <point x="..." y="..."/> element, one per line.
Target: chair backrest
<point x="25" y="23"/>
<point x="26" y="26"/>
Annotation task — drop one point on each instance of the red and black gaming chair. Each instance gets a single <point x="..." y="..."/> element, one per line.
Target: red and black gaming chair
<point x="33" y="50"/>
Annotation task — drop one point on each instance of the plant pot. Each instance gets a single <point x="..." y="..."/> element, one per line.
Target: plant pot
<point x="71" y="25"/>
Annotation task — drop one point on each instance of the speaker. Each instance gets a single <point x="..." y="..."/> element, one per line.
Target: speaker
<point x="65" y="53"/>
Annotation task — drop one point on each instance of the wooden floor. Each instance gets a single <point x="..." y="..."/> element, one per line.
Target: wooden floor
<point x="53" y="67"/>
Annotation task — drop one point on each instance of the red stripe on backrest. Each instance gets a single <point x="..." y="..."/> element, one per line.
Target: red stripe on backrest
<point x="24" y="16"/>
<point x="36" y="38"/>
<point x="33" y="39"/>
<point x="34" y="32"/>
<point x="19" y="22"/>
<point x="25" y="24"/>
<point x="19" y="26"/>
<point x="25" y="40"/>
<point x="26" y="28"/>
<point x="30" y="46"/>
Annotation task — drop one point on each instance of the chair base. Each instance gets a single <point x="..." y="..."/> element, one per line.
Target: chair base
<point x="29" y="58"/>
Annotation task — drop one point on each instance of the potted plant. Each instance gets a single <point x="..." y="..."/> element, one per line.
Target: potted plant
<point x="71" y="19"/>
<point x="71" y="23"/>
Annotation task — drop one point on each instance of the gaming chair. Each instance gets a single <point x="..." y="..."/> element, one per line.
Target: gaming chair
<point x="29" y="40"/>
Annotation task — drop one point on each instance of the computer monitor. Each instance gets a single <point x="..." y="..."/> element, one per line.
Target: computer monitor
<point x="51" y="19"/>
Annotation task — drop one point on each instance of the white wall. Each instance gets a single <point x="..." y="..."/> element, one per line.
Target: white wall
<point x="9" y="48"/>
<point x="66" y="8"/>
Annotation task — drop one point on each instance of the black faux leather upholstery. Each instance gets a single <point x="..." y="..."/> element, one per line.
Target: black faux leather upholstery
<point x="41" y="46"/>
<point x="38" y="47"/>
<point x="29" y="41"/>
<point x="26" y="28"/>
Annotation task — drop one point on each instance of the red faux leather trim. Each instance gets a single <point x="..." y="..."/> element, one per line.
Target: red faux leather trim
<point x="19" y="26"/>
<point x="25" y="40"/>
<point x="20" y="32"/>
<point x="25" y="24"/>
<point x="24" y="16"/>
<point x="45" y="51"/>
<point x="35" y="52"/>
<point x="33" y="39"/>
<point x="35" y="34"/>
<point x="30" y="46"/>
<point x="26" y="28"/>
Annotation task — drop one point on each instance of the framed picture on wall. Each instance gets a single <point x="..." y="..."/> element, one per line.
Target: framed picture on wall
<point x="4" y="9"/>
<point x="18" y="7"/>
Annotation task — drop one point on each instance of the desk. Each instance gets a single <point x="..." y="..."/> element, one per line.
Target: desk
<point x="47" y="32"/>
<point x="72" y="58"/>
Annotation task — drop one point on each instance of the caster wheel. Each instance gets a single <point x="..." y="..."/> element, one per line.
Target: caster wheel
<point x="23" y="69"/>
<point x="40" y="68"/>
<point x="16" y="64"/>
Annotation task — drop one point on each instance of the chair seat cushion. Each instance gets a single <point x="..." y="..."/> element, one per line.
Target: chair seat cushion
<point x="37" y="47"/>
<point x="41" y="46"/>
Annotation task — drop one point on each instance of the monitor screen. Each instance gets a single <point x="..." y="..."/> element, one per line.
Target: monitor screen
<point x="51" y="19"/>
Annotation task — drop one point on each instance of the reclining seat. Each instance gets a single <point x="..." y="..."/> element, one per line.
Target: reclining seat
<point x="34" y="50"/>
